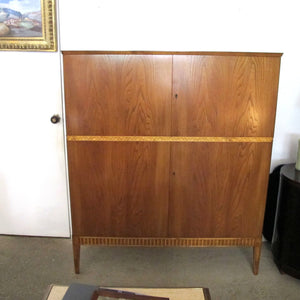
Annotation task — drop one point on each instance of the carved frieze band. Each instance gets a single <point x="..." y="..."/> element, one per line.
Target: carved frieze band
<point x="169" y="242"/>
<point x="86" y="138"/>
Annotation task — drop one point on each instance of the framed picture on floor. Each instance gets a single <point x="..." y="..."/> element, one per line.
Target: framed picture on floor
<point x="28" y="25"/>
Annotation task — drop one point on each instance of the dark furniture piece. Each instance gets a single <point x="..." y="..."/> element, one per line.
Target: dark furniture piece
<point x="271" y="203"/>
<point x="286" y="237"/>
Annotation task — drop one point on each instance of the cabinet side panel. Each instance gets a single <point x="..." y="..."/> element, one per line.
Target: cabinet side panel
<point x="224" y="95"/>
<point x="119" y="188"/>
<point x="218" y="189"/>
<point x="118" y="94"/>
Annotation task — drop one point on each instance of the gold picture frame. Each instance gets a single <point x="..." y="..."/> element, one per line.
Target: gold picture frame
<point x="28" y="31"/>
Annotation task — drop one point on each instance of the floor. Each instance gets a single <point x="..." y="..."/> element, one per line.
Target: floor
<point x="29" y="264"/>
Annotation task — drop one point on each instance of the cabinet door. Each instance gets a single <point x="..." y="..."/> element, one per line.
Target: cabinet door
<point x="218" y="189"/>
<point x="224" y="95"/>
<point x="118" y="94"/>
<point x="119" y="188"/>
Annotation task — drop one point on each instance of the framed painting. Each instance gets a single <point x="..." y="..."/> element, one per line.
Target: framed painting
<point x="27" y="25"/>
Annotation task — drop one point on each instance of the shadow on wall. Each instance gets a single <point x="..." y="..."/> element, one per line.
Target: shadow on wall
<point x="4" y="212"/>
<point x="291" y="141"/>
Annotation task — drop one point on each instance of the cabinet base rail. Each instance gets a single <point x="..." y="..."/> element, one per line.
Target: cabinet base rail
<point x="167" y="242"/>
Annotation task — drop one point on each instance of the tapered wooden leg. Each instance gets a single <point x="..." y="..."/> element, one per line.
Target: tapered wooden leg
<point x="76" y="253"/>
<point x="256" y="257"/>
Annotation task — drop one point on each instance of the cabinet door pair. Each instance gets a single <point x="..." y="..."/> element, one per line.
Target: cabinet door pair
<point x="169" y="189"/>
<point x="170" y="95"/>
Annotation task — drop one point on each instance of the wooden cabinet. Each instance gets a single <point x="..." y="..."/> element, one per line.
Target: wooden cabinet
<point x="169" y="149"/>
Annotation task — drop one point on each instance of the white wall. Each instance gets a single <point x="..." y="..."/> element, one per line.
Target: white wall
<point x="214" y="25"/>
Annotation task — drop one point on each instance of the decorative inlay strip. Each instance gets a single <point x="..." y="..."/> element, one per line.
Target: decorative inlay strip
<point x="87" y="138"/>
<point x="165" y="242"/>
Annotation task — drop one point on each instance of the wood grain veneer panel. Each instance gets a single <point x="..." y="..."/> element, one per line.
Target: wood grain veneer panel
<point x="119" y="188"/>
<point x="224" y="95"/>
<point x="118" y="94"/>
<point x="218" y="189"/>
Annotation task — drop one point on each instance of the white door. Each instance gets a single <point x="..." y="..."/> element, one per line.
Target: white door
<point x="33" y="190"/>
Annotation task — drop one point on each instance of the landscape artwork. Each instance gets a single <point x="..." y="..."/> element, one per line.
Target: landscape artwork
<point x="27" y="25"/>
<point x="20" y="18"/>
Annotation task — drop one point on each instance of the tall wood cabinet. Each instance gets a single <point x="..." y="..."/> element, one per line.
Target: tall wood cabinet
<point x="169" y="149"/>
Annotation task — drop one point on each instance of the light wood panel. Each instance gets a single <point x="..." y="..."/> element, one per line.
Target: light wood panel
<point x="119" y="189"/>
<point x="224" y="95"/>
<point x="118" y="94"/>
<point x="218" y="190"/>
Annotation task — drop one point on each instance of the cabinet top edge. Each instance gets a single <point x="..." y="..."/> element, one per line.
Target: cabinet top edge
<point x="269" y="54"/>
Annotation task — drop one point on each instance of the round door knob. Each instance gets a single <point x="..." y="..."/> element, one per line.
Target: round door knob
<point x="55" y="119"/>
